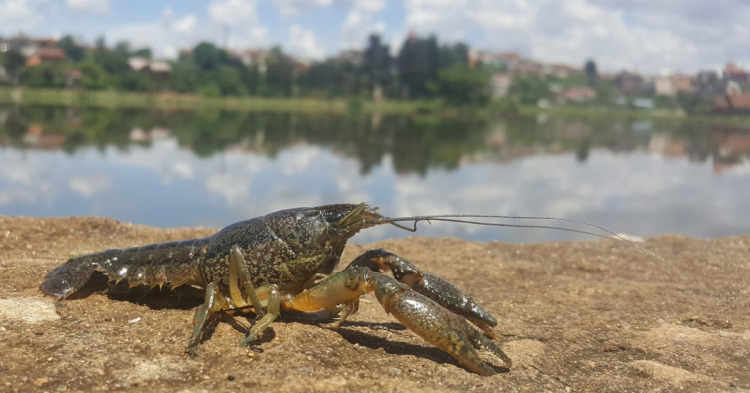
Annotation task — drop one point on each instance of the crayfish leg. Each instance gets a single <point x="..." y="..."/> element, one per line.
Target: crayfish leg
<point x="214" y="302"/>
<point x="241" y="291"/>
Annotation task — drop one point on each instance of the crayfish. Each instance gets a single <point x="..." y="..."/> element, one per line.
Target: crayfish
<point x="285" y="261"/>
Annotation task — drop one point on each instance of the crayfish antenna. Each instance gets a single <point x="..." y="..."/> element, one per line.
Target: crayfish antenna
<point x="462" y="219"/>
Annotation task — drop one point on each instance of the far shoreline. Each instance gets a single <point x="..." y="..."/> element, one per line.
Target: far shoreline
<point x="192" y="102"/>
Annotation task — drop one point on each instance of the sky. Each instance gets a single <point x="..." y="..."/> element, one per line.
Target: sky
<point x="649" y="36"/>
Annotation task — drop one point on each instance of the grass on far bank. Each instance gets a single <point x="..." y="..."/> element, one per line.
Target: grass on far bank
<point x="115" y="99"/>
<point x="174" y="101"/>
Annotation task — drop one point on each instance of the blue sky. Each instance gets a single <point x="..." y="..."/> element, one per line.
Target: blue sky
<point x="647" y="36"/>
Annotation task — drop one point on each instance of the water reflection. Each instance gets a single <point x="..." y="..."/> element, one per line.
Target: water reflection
<point x="212" y="168"/>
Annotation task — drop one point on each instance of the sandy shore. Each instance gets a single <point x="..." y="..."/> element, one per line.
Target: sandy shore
<point x="574" y="316"/>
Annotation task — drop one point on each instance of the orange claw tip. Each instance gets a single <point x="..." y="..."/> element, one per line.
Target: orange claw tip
<point x="492" y="334"/>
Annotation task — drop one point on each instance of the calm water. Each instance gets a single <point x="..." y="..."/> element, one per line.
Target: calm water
<point x="639" y="177"/>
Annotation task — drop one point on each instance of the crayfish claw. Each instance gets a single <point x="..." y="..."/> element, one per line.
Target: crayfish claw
<point x="436" y="325"/>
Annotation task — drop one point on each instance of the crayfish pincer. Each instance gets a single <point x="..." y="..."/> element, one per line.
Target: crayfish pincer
<point x="285" y="261"/>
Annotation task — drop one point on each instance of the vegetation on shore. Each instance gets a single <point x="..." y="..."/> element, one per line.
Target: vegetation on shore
<point x="172" y="101"/>
<point x="425" y="77"/>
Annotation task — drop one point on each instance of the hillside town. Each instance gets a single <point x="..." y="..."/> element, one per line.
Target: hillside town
<point x="421" y="70"/>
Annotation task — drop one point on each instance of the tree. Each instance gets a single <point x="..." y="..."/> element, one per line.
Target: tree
<point x="184" y="78"/>
<point x="464" y="86"/>
<point x="451" y="55"/>
<point x="100" y="43"/>
<point x="208" y="57"/>
<point x="590" y="69"/>
<point x="123" y="47"/>
<point x="72" y="50"/>
<point x="136" y="81"/>
<point x="418" y="65"/>
<point x="94" y="76"/>
<point x="44" y="75"/>
<point x="229" y="81"/>
<point x="114" y="62"/>
<point x="142" y="52"/>
<point x="251" y="78"/>
<point x="693" y="103"/>
<point x="279" y="74"/>
<point x="14" y="62"/>
<point x="334" y="78"/>
<point x="529" y="90"/>
<point x="376" y="64"/>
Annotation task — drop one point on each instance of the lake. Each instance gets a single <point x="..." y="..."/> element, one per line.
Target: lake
<point x="639" y="177"/>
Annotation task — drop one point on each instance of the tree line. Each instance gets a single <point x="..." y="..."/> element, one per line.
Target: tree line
<point x="422" y="69"/>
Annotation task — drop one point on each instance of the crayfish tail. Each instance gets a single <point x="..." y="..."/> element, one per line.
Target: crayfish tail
<point x="74" y="274"/>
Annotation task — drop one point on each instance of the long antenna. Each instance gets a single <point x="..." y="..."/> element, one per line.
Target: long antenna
<point x="460" y="218"/>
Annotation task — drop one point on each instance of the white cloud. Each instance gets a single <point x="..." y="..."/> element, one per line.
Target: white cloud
<point x="185" y="24"/>
<point x="241" y="16"/>
<point x="99" y="7"/>
<point x="20" y="16"/>
<point x="165" y="36"/>
<point x="647" y="37"/>
<point x="90" y="185"/>
<point x="293" y="7"/>
<point x="304" y="43"/>
<point x="233" y="12"/>
<point x="233" y="187"/>
<point x="9" y="197"/>
<point x="358" y="24"/>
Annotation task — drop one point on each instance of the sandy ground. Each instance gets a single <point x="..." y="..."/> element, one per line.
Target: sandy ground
<point x="574" y="316"/>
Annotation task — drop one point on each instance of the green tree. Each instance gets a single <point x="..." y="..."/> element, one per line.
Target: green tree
<point x="376" y="64"/>
<point x="693" y="103"/>
<point x="456" y="54"/>
<point x="114" y="62"/>
<point x="185" y="77"/>
<point x="72" y="50"/>
<point x="94" y="76"/>
<point x="590" y="70"/>
<point x="464" y="86"/>
<point x="251" y="78"/>
<point x="333" y="78"/>
<point x="208" y="57"/>
<point x="44" y="76"/>
<point x="230" y="81"/>
<point x="14" y="62"/>
<point x="142" y="52"/>
<point x="136" y="81"/>
<point x="279" y="74"/>
<point x="418" y="64"/>
<point x="529" y="89"/>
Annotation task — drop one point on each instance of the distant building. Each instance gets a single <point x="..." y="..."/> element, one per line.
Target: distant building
<point x="355" y="56"/>
<point x="663" y="86"/>
<point x="561" y="70"/>
<point x="252" y="57"/>
<point x="708" y="83"/>
<point x="733" y="104"/>
<point x="73" y="77"/>
<point x="630" y="82"/>
<point x="45" y="55"/>
<point x="576" y="95"/>
<point x="161" y="69"/>
<point x="510" y="61"/>
<point x="732" y="88"/>
<point x="500" y="84"/>
<point x="673" y="84"/>
<point x="644" y="103"/>
<point x="733" y="72"/>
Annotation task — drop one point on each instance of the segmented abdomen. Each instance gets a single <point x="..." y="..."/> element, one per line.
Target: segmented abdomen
<point x="175" y="263"/>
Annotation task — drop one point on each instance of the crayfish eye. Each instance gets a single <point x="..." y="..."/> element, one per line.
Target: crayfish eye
<point x="334" y="216"/>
